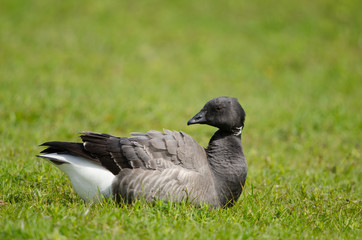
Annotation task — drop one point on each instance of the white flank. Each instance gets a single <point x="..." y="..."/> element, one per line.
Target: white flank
<point x="89" y="180"/>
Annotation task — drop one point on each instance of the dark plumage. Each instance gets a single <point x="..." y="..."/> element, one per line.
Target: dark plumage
<point x="165" y="165"/>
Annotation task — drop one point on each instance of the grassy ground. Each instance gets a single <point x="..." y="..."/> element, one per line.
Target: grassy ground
<point x="67" y="66"/>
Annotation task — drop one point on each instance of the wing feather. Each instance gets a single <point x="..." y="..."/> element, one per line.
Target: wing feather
<point x="158" y="143"/>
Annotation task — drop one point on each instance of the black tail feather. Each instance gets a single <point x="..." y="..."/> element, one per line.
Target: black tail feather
<point x="102" y="149"/>
<point x="62" y="147"/>
<point x="72" y="148"/>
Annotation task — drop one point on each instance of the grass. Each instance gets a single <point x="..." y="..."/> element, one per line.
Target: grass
<point x="113" y="67"/>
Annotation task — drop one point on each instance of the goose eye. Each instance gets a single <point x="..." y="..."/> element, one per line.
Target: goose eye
<point x="218" y="108"/>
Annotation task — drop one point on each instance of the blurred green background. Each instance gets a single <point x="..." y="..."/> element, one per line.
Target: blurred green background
<point x="123" y="66"/>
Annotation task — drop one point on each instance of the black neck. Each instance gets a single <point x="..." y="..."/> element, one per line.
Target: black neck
<point x="227" y="161"/>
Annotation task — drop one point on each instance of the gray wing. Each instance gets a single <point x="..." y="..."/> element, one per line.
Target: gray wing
<point x="155" y="165"/>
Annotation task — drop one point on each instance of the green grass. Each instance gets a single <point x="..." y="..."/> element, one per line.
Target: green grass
<point x="68" y="66"/>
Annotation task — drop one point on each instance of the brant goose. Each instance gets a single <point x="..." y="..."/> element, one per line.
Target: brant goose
<point x="167" y="165"/>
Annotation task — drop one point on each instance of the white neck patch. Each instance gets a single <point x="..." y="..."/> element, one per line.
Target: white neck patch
<point x="237" y="131"/>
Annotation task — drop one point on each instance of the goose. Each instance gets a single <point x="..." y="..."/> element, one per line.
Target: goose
<point x="167" y="166"/>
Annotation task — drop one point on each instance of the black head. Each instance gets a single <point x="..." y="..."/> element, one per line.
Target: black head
<point x="224" y="113"/>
